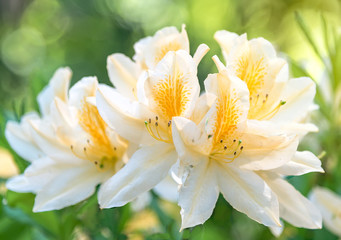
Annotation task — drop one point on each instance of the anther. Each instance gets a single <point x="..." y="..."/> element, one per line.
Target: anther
<point x="84" y="149"/>
<point x="88" y="141"/>
<point x="234" y="140"/>
<point x="169" y="123"/>
<point x="267" y="95"/>
<point x="235" y="153"/>
<point x="156" y="124"/>
<point x="241" y="148"/>
<point x="115" y="148"/>
<point x="157" y="118"/>
<point x="209" y="136"/>
<point x="150" y="121"/>
<point x="96" y="162"/>
<point x="71" y="147"/>
<point x="225" y="147"/>
<point x="221" y="140"/>
<point x="257" y="95"/>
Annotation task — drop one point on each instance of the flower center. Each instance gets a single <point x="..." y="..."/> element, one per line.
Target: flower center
<point x="98" y="147"/>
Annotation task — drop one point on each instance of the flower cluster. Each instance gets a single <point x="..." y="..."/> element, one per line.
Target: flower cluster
<point x="238" y="138"/>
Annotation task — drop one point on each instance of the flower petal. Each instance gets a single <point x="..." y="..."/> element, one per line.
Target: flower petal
<point x="188" y="138"/>
<point x="20" y="139"/>
<point x="84" y="88"/>
<point x="57" y="87"/>
<point x="68" y="186"/>
<point x="145" y="169"/>
<point x="301" y="163"/>
<point x="198" y="194"/>
<point x="124" y="116"/>
<point x="226" y="40"/>
<point x="329" y="204"/>
<point x="123" y="73"/>
<point x="165" y="40"/>
<point x="298" y="94"/>
<point x="265" y="146"/>
<point x="248" y="193"/>
<point x="294" y="207"/>
<point x="46" y="138"/>
<point x="31" y="179"/>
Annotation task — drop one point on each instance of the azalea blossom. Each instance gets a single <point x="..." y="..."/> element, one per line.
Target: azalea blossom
<point x="170" y="89"/>
<point x="124" y="73"/>
<point x="329" y="204"/>
<point x="19" y="135"/>
<point x="225" y="152"/>
<point x="74" y="149"/>
<point x="273" y="96"/>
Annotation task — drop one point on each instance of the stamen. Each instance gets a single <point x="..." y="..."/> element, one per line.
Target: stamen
<point x="273" y="111"/>
<point x="157" y="136"/>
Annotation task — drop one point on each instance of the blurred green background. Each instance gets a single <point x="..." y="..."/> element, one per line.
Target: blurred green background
<point x="38" y="36"/>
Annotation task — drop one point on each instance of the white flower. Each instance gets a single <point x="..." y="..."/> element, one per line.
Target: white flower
<point x="79" y="150"/>
<point x="19" y="135"/>
<point x="273" y="96"/>
<point x="170" y="89"/>
<point x="227" y="153"/>
<point x="329" y="204"/>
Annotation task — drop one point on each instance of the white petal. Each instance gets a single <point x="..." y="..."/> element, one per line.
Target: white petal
<point x="248" y="193"/>
<point x="294" y="207"/>
<point x="68" y="187"/>
<point x="140" y="48"/>
<point x="84" y="88"/>
<point x="123" y="74"/>
<point x="277" y="231"/>
<point x="198" y="194"/>
<point x="46" y="138"/>
<point x="20" y="139"/>
<point x="204" y="103"/>
<point x="165" y="40"/>
<point x="35" y="177"/>
<point x="226" y="40"/>
<point x="301" y="163"/>
<point x="298" y="94"/>
<point x="265" y="146"/>
<point x="145" y="169"/>
<point x="127" y="118"/>
<point x="188" y="138"/>
<point x="57" y="87"/>
<point x="300" y="129"/>
<point x="200" y="53"/>
<point x="329" y="204"/>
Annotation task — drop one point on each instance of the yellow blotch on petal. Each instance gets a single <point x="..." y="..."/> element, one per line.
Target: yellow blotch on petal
<point x="252" y="73"/>
<point x="165" y="48"/>
<point x="226" y="145"/>
<point x="171" y="96"/>
<point x="99" y="147"/>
